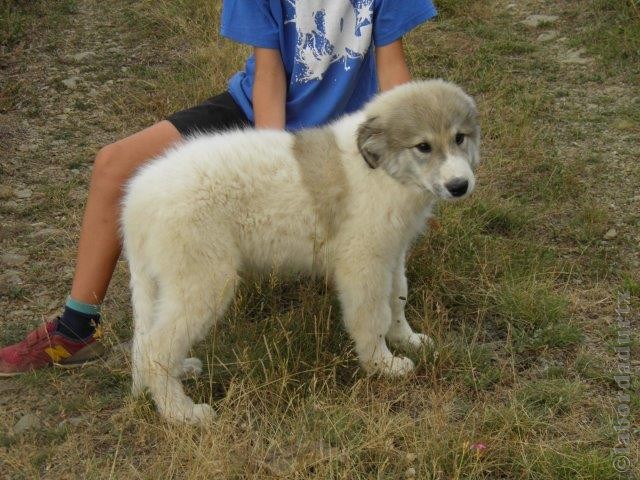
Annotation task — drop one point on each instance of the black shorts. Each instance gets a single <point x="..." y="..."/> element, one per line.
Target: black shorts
<point x="214" y="114"/>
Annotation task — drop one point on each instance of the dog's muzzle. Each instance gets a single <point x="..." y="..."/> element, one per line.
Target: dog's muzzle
<point x="457" y="187"/>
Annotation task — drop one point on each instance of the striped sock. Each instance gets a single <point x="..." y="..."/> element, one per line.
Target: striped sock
<point x="79" y="320"/>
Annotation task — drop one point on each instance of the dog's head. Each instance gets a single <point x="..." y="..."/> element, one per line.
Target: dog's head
<point x="425" y="134"/>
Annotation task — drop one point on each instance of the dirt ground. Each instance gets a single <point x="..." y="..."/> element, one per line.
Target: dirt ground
<point x="522" y="287"/>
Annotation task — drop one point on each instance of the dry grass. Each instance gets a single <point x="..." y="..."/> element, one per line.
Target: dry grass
<point x="517" y="286"/>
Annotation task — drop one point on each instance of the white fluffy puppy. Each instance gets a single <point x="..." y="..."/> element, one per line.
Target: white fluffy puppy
<point x="344" y="201"/>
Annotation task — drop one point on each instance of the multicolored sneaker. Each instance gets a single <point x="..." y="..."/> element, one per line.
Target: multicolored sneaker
<point x="45" y="346"/>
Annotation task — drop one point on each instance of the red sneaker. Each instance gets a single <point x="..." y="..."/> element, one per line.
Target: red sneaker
<point x="45" y="346"/>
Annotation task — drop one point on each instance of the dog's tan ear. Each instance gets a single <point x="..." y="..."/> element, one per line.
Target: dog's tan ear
<point x="371" y="142"/>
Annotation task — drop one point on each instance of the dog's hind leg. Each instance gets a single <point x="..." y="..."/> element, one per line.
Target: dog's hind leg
<point x="364" y="290"/>
<point x="400" y="333"/>
<point x="143" y="296"/>
<point x="189" y="300"/>
<point x="191" y="367"/>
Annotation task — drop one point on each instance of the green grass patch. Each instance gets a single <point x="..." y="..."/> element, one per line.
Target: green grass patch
<point x="14" y="21"/>
<point x="528" y="305"/>
<point x="476" y="365"/>
<point x="552" y="396"/>
<point x="19" y="17"/>
<point x="568" y="464"/>
<point x="613" y="32"/>
<point x="631" y="284"/>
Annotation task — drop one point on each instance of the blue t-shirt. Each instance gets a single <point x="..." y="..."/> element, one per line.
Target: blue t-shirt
<point x="326" y="47"/>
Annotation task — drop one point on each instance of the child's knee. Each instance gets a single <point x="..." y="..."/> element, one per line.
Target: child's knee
<point x="110" y="166"/>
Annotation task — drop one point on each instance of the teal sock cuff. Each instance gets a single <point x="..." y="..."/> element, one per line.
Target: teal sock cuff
<point x="86" y="308"/>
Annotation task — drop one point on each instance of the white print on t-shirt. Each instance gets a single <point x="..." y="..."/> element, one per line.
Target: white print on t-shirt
<point x="330" y="31"/>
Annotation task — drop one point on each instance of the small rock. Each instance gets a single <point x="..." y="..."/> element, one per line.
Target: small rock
<point x="27" y="422"/>
<point x="6" y="192"/>
<point x="77" y="194"/>
<point x="546" y="36"/>
<point x="410" y="472"/>
<point x="82" y="56"/>
<point x="16" y="314"/>
<point x="611" y="234"/>
<point x="535" y="21"/>
<point x="73" y="421"/>
<point x="8" y="393"/>
<point x="24" y="193"/>
<point x="574" y="55"/>
<point x="13" y="259"/>
<point x="625" y="125"/>
<point x="410" y="457"/>
<point x="71" y="82"/>
<point x="11" y="278"/>
<point x="47" y="232"/>
<point x="53" y="305"/>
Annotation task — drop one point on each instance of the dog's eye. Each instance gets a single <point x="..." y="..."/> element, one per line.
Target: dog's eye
<point x="460" y="138"/>
<point x="424" y="147"/>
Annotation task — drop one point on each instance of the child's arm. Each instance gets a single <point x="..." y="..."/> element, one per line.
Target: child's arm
<point x="269" y="89"/>
<point x="391" y="65"/>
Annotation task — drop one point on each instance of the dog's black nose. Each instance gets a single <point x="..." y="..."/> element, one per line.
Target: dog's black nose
<point x="458" y="187"/>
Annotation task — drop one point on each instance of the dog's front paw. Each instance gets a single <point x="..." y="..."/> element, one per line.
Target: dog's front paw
<point x="392" y="366"/>
<point x="418" y="340"/>
<point x="193" y="414"/>
<point x="413" y="341"/>
<point x="201" y="414"/>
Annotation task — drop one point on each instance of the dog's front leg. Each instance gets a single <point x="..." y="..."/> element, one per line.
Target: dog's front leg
<point x="364" y="291"/>
<point x="400" y="333"/>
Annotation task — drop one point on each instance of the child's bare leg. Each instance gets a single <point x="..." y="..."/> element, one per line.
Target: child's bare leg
<point x="100" y="243"/>
<point x="70" y="339"/>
